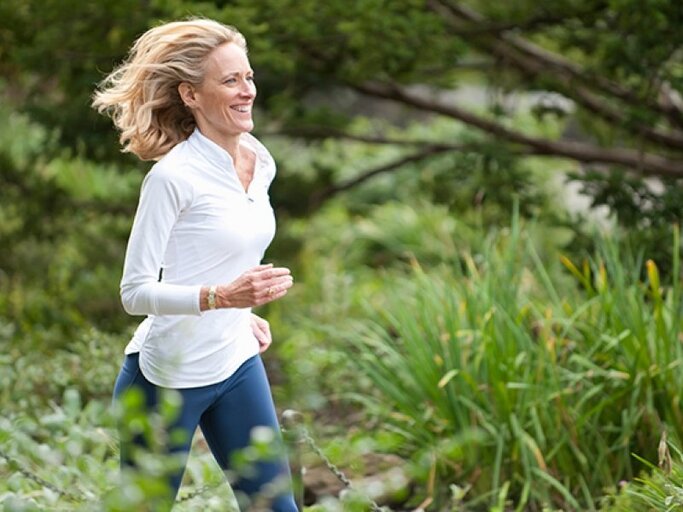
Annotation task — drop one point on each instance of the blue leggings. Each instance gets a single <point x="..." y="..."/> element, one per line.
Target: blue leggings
<point x="226" y="412"/>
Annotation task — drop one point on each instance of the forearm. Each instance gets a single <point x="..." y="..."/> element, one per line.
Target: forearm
<point x="155" y="298"/>
<point x="221" y="297"/>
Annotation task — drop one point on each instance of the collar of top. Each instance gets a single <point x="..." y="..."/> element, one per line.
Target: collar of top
<point x="215" y="154"/>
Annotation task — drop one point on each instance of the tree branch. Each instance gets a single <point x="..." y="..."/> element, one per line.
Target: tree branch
<point x="532" y="23"/>
<point x="364" y="176"/>
<point x="644" y="163"/>
<point x="325" y="132"/>
<point x="533" y="59"/>
<point x="540" y="148"/>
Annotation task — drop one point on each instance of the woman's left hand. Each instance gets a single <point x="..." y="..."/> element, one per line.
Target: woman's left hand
<point x="261" y="330"/>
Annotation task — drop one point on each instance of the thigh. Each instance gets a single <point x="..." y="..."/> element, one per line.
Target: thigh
<point x="192" y="402"/>
<point x="130" y="376"/>
<point x="130" y="379"/>
<point x="176" y="434"/>
<point x="245" y="402"/>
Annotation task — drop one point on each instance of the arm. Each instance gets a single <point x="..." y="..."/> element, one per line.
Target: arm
<point x="162" y="199"/>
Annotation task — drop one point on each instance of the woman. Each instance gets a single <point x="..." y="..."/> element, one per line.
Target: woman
<point x="184" y="97"/>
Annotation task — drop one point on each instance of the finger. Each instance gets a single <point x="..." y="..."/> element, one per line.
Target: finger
<point x="263" y="347"/>
<point x="261" y="330"/>
<point x="275" y="282"/>
<point x="261" y="336"/>
<point x="263" y="266"/>
<point x="276" y="286"/>
<point x="257" y="320"/>
<point x="281" y="281"/>
<point x="265" y="329"/>
<point x="271" y="297"/>
<point x="264" y="340"/>
<point x="260" y="268"/>
<point x="274" y="272"/>
<point x="257" y="329"/>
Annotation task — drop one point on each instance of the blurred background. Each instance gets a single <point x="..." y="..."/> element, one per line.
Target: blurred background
<point x="480" y="203"/>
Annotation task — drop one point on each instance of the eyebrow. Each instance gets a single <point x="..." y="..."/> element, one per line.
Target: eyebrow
<point x="233" y="73"/>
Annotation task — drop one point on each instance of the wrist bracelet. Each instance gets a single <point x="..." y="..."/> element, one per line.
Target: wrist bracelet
<point x="211" y="299"/>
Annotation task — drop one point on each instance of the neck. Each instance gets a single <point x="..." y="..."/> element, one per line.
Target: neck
<point x="230" y="143"/>
<point x="232" y="146"/>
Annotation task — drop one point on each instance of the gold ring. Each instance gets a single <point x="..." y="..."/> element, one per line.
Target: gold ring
<point x="270" y="290"/>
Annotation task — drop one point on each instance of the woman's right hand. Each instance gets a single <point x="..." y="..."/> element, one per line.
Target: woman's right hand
<point x="255" y="287"/>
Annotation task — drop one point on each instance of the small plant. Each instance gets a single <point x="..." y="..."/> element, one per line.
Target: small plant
<point x="660" y="488"/>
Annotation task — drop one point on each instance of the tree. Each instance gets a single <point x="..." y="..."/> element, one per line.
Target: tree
<point x="624" y="75"/>
<point x="616" y="62"/>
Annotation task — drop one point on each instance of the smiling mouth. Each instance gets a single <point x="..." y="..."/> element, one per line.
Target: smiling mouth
<point x="242" y="108"/>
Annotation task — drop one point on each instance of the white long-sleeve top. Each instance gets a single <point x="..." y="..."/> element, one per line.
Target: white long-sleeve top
<point x="197" y="225"/>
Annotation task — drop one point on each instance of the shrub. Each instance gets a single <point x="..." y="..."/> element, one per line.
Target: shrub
<point x="514" y="386"/>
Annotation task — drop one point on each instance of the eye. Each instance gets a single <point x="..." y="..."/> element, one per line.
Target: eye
<point x="230" y="80"/>
<point x="250" y="78"/>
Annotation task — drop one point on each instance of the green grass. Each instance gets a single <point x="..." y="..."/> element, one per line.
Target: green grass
<point x="519" y="385"/>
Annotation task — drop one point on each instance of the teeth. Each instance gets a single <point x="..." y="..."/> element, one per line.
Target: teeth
<point x="241" y="109"/>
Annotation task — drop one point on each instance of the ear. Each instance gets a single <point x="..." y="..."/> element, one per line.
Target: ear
<point x="187" y="94"/>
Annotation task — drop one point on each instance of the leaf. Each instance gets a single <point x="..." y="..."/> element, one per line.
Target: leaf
<point x="447" y="378"/>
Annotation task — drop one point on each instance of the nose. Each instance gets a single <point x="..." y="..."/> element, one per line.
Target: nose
<point x="248" y="89"/>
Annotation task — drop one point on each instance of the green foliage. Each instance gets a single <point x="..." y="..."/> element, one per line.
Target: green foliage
<point x="309" y="57"/>
<point x="55" y="52"/>
<point x="656" y="490"/>
<point x="485" y="349"/>
<point x="64" y="447"/>
<point x="66" y="220"/>
<point x="482" y="183"/>
<point x="31" y="375"/>
<point x="521" y="382"/>
<point x="66" y="458"/>
<point x="646" y="210"/>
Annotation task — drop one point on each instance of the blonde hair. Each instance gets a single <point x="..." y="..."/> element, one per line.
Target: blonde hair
<point x="141" y="95"/>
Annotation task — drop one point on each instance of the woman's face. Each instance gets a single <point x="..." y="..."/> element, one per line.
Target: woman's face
<point x="223" y="101"/>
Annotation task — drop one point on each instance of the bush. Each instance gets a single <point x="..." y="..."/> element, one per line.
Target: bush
<point x="511" y="385"/>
